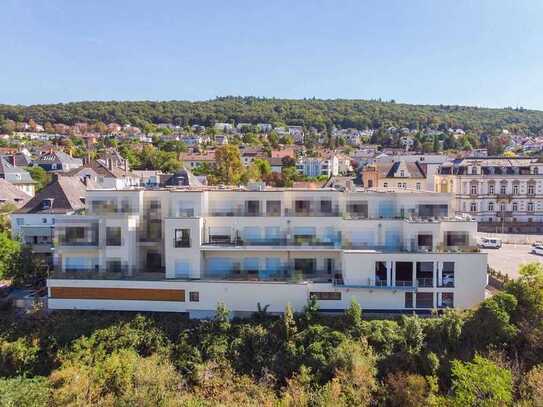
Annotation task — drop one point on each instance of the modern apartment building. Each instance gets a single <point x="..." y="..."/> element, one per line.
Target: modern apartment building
<point x="504" y="195"/>
<point x="187" y="249"/>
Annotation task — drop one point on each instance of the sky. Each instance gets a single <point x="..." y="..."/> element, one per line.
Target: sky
<point x="467" y="52"/>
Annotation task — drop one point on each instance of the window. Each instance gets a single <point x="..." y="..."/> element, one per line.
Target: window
<point x="536" y="170"/>
<point x="404" y="185"/>
<point x="370" y="183"/>
<point x="252" y="208"/>
<point x="43" y="220"/>
<point x="114" y="266"/>
<point x="273" y="208"/>
<point x="491" y="206"/>
<point x="326" y="207"/>
<point x="491" y="189"/>
<point x="447" y="274"/>
<point x="502" y="207"/>
<point x="46" y="204"/>
<point x="447" y="300"/>
<point x="515" y="189"/>
<point x="385" y="185"/>
<point x="515" y="206"/>
<point x="325" y="295"/>
<point x="474" y="170"/>
<point x="530" y="207"/>
<point x="20" y="221"/>
<point x="113" y="236"/>
<point x="503" y="190"/>
<point x="474" y="190"/>
<point x="408" y="300"/>
<point x="456" y="238"/>
<point x="399" y="184"/>
<point x="473" y="207"/>
<point x="425" y="300"/>
<point x="418" y="186"/>
<point x="531" y="190"/>
<point x="182" y="238"/>
<point x="402" y="173"/>
<point x="194" y="296"/>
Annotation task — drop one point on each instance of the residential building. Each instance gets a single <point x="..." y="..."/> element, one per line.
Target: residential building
<point x="193" y="160"/>
<point x="399" y="174"/>
<point x="264" y="127"/>
<point x="10" y="194"/>
<point x="58" y="161"/>
<point x="297" y="133"/>
<point x="317" y="166"/>
<point x="186" y="249"/>
<point x="249" y="154"/>
<point x="35" y="221"/>
<point x="226" y="127"/>
<point x="503" y="194"/>
<point x="104" y="174"/>
<point x="16" y="176"/>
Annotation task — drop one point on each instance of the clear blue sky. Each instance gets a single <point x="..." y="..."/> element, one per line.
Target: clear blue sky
<point x="486" y="53"/>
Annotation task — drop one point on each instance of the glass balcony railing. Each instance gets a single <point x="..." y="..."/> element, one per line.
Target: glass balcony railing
<point x="281" y="242"/>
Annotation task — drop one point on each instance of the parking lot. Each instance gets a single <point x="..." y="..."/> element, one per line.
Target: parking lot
<point x="510" y="257"/>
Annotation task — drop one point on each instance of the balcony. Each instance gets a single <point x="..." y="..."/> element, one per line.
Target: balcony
<point x="103" y="274"/>
<point x="227" y="242"/>
<point x="335" y="212"/>
<point x="404" y="285"/>
<point x="425" y="282"/>
<point x="282" y="274"/>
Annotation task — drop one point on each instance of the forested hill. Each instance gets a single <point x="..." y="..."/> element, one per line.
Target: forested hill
<point x="307" y="112"/>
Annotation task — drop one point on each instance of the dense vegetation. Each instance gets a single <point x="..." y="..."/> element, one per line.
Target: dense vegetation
<point x="321" y="114"/>
<point x="491" y="356"/>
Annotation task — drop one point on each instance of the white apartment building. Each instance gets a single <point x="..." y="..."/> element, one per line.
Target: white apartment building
<point x="504" y="195"/>
<point x="317" y="166"/>
<point x="187" y="249"/>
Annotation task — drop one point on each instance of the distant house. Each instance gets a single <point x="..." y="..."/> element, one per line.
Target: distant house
<point x="249" y="154"/>
<point x="297" y="133"/>
<point x="226" y="127"/>
<point x="35" y="221"/>
<point x="276" y="164"/>
<point x="264" y="127"/>
<point x="98" y="174"/>
<point x="10" y="194"/>
<point x="193" y="160"/>
<point x="318" y="166"/>
<point x="221" y="140"/>
<point x="17" y="176"/>
<point x="58" y="161"/>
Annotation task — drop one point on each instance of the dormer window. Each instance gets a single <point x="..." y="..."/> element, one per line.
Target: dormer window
<point x="402" y="174"/>
<point x="536" y="170"/>
<point x="46" y="204"/>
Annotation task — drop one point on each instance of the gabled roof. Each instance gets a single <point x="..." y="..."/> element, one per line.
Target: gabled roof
<point x="65" y="195"/>
<point x="11" y="194"/>
<point x="101" y="169"/>
<point x="13" y="174"/>
<point x="57" y="157"/>
<point x="390" y="170"/>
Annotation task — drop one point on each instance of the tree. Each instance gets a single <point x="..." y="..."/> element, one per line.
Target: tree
<point x="228" y="164"/>
<point x="480" y="383"/>
<point x="409" y="390"/>
<point x="353" y="317"/>
<point x="28" y="392"/>
<point x="531" y="388"/>
<point x="9" y="254"/>
<point x="39" y="175"/>
<point x="170" y="165"/>
<point x="5" y="210"/>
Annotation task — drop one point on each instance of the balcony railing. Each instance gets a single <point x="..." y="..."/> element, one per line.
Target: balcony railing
<point x="105" y="274"/>
<point x="281" y="242"/>
<point x="425" y="282"/>
<point x="284" y="274"/>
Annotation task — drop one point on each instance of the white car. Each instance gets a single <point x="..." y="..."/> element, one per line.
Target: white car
<point x="490" y="243"/>
<point x="537" y="249"/>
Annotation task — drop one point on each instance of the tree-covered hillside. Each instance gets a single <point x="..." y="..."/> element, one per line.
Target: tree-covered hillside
<point x="308" y="112"/>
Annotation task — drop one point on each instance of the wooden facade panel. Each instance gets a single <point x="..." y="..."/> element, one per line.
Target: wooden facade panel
<point x="141" y="294"/>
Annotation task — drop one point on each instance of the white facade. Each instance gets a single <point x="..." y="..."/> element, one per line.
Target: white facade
<point x="316" y="166"/>
<point x="390" y="251"/>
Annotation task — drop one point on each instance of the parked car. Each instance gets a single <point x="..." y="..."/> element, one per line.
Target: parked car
<point x="490" y="243"/>
<point x="537" y="249"/>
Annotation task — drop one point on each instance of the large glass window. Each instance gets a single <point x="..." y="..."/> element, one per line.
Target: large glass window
<point x="273" y="208"/>
<point x="252" y="208"/>
<point x="424" y="300"/>
<point x="357" y="209"/>
<point x="425" y="274"/>
<point x="456" y="238"/>
<point x="113" y="236"/>
<point x="447" y="274"/>
<point x="182" y="238"/>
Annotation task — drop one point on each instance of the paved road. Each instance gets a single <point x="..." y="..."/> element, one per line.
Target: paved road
<point x="510" y="257"/>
